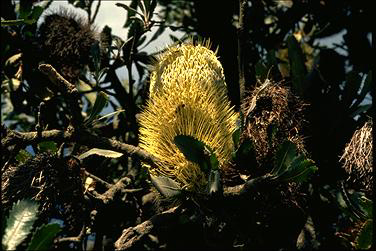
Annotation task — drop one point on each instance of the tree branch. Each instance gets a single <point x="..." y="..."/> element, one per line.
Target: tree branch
<point x="80" y="136"/>
<point x="133" y="236"/>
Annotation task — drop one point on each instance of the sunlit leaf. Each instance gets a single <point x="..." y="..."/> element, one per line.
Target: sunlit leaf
<point x="214" y="182"/>
<point x="44" y="236"/>
<point x="100" y="152"/>
<point x="13" y="59"/>
<point x="84" y="87"/>
<point x="19" y="223"/>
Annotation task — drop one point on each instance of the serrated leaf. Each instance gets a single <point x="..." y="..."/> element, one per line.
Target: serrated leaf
<point x="284" y="156"/>
<point x="194" y="150"/>
<point x="299" y="170"/>
<point x="166" y="186"/>
<point x="100" y="152"/>
<point x="364" y="239"/>
<point x="19" y="223"/>
<point x="44" y="236"/>
<point x="100" y="103"/>
<point x="23" y="156"/>
<point x="47" y="146"/>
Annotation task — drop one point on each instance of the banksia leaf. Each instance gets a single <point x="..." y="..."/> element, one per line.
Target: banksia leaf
<point x="19" y="223"/>
<point x="166" y="186"/>
<point x="100" y="103"/>
<point x="364" y="238"/>
<point x="100" y="152"/>
<point x="290" y="166"/>
<point x="43" y="237"/>
<point x="188" y="96"/>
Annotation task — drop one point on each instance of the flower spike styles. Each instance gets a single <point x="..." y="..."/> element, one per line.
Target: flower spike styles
<point x="188" y="96"/>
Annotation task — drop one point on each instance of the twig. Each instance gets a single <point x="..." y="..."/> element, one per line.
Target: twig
<point x="39" y="125"/>
<point x="99" y="180"/>
<point x="78" y="238"/>
<point x="66" y="88"/>
<point x="96" y="12"/>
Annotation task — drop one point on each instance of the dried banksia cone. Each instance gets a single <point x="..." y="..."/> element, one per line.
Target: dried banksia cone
<point x="272" y="114"/>
<point x="188" y="96"/>
<point x="54" y="182"/>
<point x="357" y="158"/>
<point x="65" y="40"/>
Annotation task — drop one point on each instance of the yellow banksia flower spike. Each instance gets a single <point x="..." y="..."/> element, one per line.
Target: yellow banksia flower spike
<point x="188" y="96"/>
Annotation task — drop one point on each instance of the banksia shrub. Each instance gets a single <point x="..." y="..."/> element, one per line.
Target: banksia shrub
<point x="272" y="114"/>
<point x="188" y="96"/>
<point x="357" y="158"/>
<point x="65" y="41"/>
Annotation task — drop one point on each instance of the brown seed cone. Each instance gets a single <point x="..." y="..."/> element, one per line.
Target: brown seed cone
<point x="66" y="40"/>
<point x="357" y="159"/>
<point x="55" y="183"/>
<point x="271" y="106"/>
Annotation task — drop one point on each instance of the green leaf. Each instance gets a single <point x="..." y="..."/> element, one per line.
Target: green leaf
<point x="19" y="223"/>
<point x="366" y="206"/>
<point x="166" y="186"/>
<point x="297" y="66"/>
<point x="284" y="157"/>
<point x="236" y="137"/>
<point x="48" y="146"/>
<point x="299" y="170"/>
<point x="12" y="22"/>
<point x="23" y="156"/>
<point x="364" y="239"/>
<point x="44" y="236"/>
<point x="100" y="103"/>
<point x="100" y="152"/>
<point x="245" y="154"/>
<point x="194" y="150"/>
